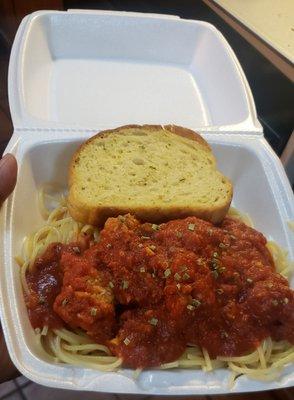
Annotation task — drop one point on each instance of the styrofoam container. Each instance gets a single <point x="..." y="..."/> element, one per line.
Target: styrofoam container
<point x="74" y="73"/>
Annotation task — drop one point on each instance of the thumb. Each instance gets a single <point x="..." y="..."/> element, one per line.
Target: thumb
<point x="8" y="173"/>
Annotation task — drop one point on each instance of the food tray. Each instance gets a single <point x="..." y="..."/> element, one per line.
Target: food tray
<point x="74" y="73"/>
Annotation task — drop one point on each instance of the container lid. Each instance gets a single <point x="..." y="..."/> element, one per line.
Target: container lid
<point x="85" y="70"/>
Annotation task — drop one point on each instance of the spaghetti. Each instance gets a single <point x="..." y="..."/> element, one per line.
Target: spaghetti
<point x="76" y="348"/>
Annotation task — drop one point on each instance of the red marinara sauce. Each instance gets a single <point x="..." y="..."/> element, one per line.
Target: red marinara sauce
<point x="44" y="283"/>
<point x="170" y="285"/>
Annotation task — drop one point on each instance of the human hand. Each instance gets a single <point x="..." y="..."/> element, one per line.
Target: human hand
<point x="8" y="173"/>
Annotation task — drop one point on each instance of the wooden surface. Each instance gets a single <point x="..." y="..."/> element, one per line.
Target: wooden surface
<point x="282" y="63"/>
<point x="271" y="20"/>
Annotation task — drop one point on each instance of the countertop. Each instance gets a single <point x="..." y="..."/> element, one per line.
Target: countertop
<point x="271" y="20"/>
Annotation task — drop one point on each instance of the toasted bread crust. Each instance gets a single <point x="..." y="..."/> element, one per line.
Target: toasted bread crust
<point x="87" y="214"/>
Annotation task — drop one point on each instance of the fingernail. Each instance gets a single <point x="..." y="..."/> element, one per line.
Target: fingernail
<point x="8" y="173"/>
<point x="4" y="159"/>
<point x="7" y="162"/>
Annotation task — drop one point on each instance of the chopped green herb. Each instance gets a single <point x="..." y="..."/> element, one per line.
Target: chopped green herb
<point x="125" y="284"/>
<point x="196" y="302"/>
<point x="179" y="235"/>
<point x="93" y="311"/>
<point x="190" y="307"/>
<point x="111" y="285"/>
<point x="153" y="321"/>
<point x="215" y="254"/>
<point x="127" y="341"/>
<point x="177" y="276"/>
<point x="215" y="274"/>
<point x="214" y="263"/>
<point x="142" y="269"/>
<point x="64" y="302"/>
<point x="76" y="250"/>
<point x="191" y="227"/>
<point x="186" y="276"/>
<point x="167" y="273"/>
<point x="155" y="227"/>
<point x="222" y="246"/>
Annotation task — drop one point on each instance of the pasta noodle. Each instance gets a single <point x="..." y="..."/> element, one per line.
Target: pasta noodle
<point x="76" y="348"/>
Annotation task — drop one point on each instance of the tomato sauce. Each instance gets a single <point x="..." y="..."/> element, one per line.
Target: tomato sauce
<point x="44" y="283"/>
<point x="159" y="288"/>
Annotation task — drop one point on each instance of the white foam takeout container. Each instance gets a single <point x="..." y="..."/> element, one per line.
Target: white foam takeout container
<point x="74" y="73"/>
